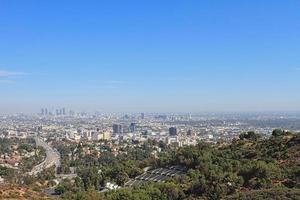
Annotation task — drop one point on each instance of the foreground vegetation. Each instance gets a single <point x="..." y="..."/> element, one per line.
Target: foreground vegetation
<point x="249" y="168"/>
<point x="24" y="152"/>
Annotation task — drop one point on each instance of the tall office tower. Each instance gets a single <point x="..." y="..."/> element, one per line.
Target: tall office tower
<point x="63" y="111"/>
<point x="117" y="128"/>
<point x="120" y="129"/>
<point x="46" y="111"/>
<point x="173" y="131"/>
<point x="42" y="111"/>
<point x="143" y="115"/>
<point x="57" y="112"/>
<point x="132" y="127"/>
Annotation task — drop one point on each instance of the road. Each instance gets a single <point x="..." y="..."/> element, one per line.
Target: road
<point x="52" y="157"/>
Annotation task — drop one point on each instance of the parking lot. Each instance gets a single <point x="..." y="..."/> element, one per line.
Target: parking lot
<point x="156" y="175"/>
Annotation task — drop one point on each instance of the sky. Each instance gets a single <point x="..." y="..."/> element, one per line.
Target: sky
<point x="150" y="56"/>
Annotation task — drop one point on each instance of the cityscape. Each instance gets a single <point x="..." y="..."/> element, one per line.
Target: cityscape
<point x="149" y="100"/>
<point x="178" y="129"/>
<point x="95" y="134"/>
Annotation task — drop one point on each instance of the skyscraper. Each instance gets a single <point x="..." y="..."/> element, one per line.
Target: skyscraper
<point x="142" y="115"/>
<point x="132" y="127"/>
<point x="42" y="111"/>
<point x="117" y="128"/>
<point x="173" y="131"/>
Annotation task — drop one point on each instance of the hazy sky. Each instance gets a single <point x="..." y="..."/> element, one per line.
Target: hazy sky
<point x="158" y="55"/>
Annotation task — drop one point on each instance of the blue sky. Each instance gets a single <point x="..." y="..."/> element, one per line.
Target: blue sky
<point x="150" y="56"/>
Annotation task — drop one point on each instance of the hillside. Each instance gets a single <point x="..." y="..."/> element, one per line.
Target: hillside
<point x="14" y="192"/>
<point x="250" y="167"/>
<point x="274" y="194"/>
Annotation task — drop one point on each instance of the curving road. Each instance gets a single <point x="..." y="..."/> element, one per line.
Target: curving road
<point x="52" y="157"/>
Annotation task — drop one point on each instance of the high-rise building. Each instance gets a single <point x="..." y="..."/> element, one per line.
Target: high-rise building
<point x="39" y="128"/>
<point x="42" y="111"/>
<point x="63" y="111"/>
<point x="117" y="128"/>
<point x="46" y="111"/>
<point x="173" y="131"/>
<point x="143" y="115"/>
<point x="132" y="127"/>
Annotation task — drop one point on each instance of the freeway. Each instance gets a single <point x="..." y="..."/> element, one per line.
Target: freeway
<point x="52" y="157"/>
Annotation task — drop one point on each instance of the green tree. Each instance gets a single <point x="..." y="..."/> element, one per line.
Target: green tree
<point x="122" y="178"/>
